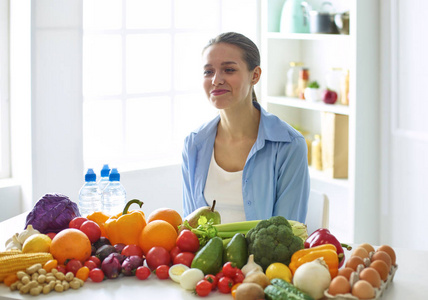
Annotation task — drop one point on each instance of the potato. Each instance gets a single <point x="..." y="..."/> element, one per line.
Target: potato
<point x="249" y="291"/>
<point x="258" y="277"/>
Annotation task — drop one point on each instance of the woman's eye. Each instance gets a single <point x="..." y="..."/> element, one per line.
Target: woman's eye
<point x="230" y="70"/>
<point x="207" y="72"/>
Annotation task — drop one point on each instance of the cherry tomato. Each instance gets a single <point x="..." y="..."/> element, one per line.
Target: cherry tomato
<point x="219" y="275"/>
<point x="83" y="273"/>
<point x="51" y="235"/>
<point x="239" y="276"/>
<point x="92" y="230"/>
<point x="61" y="268"/>
<point x="73" y="265"/>
<point x="142" y="273"/>
<point x="50" y="264"/>
<point x="162" y="272"/>
<point x="96" y="275"/>
<point x="187" y="241"/>
<point x="174" y="252"/>
<point x="229" y="269"/>
<point x="233" y="290"/>
<point x="131" y="250"/>
<point x="157" y="256"/>
<point x="96" y="260"/>
<point x="184" y="258"/>
<point x="76" y="222"/>
<point x="203" y="288"/>
<point x="211" y="279"/>
<point x="90" y="264"/>
<point x="225" y="285"/>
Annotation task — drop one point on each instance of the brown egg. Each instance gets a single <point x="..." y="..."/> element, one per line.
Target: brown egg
<point x="362" y="289"/>
<point x="368" y="247"/>
<point x="361" y="252"/>
<point x="339" y="285"/>
<point x="354" y="261"/>
<point x="346" y="272"/>
<point x="390" y="252"/>
<point x="382" y="255"/>
<point x="372" y="276"/>
<point x="381" y="267"/>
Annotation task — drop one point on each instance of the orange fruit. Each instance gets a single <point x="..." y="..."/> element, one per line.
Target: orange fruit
<point x="70" y="243"/>
<point x="157" y="233"/>
<point x="166" y="214"/>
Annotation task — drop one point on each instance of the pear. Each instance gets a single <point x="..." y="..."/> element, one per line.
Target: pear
<point x="206" y="211"/>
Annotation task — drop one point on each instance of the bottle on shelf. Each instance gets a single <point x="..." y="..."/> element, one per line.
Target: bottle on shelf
<point x="302" y="83"/>
<point x="104" y="179"/>
<point x="114" y="194"/>
<point x="316" y="152"/>
<point x="90" y="195"/>
<point x="344" y="88"/>
<point x="292" y="79"/>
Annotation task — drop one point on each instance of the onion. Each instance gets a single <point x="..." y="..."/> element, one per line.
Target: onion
<point x="313" y="278"/>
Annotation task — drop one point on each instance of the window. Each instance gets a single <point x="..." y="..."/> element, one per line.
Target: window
<point x="4" y="91"/>
<point x="142" y="78"/>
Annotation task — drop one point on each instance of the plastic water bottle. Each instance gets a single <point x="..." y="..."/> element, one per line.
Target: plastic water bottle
<point x="90" y="195"/>
<point x="114" y="194"/>
<point x="104" y="179"/>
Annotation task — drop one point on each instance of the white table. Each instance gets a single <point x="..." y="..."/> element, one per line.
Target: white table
<point x="410" y="281"/>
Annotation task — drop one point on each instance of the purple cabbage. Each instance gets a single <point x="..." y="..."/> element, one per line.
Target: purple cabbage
<point x="52" y="213"/>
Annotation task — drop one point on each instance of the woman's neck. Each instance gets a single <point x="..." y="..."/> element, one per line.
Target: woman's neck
<point x="239" y="123"/>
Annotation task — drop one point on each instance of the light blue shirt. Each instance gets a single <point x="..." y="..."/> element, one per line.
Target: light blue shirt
<point x="275" y="178"/>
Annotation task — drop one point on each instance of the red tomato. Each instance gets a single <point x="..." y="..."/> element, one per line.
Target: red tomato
<point x="162" y="272"/>
<point x="61" y="268"/>
<point x="90" y="264"/>
<point x="51" y="234"/>
<point x="73" y="265"/>
<point x="239" y="276"/>
<point x="131" y="250"/>
<point x="219" y="275"/>
<point x="96" y="260"/>
<point x="225" y="285"/>
<point x="174" y="252"/>
<point x="92" y="230"/>
<point x="184" y="258"/>
<point x="96" y="275"/>
<point x="203" y="288"/>
<point x="143" y="272"/>
<point x="211" y="279"/>
<point x="77" y="222"/>
<point x="157" y="256"/>
<point x="229" y="269"/>
<point x="187" y="241"/>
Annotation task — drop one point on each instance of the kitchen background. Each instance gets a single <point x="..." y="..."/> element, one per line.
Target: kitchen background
<point x="382" y="200"/>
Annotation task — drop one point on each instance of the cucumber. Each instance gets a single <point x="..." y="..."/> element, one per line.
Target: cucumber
<point x="282" y="290"/>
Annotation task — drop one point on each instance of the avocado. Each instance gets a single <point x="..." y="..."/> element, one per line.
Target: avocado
<point x="209" y="258"/>
<point x="236" y="251"/>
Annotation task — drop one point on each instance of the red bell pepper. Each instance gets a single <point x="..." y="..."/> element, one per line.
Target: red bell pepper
<point x="323" y="236"/>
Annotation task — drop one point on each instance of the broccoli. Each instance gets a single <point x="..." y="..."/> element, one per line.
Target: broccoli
<point x="272" y="240"/>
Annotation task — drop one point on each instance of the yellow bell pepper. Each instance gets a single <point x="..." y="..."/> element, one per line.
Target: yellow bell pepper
<point x="326" y="251"/>
<point x="126" y="227"/>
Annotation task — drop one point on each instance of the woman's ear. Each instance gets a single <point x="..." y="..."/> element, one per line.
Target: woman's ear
<point x="257" y="72"/>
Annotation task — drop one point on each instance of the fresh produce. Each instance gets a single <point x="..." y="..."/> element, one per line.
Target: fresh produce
<point x="187" y="241"/>
<point x="209" y="258"/>
<point x="37" y="243"/>
<point x="119" y="247"/>
<point x="184" y="258"/>
<point x="104" y="251"/>
<point x="92" y="230"/>
<point x="276" y="235"/>
<point x="96" y="275"/>
<point x="111" y="267"/>
<point x="24" y="235"/>
<point x="329" y="96"/>
<point x="208" y="212"/>
<point x="203" y="288"/>
<point x="323" y="236"/>
<point x="13" y="243"/>
<point x="131" y="264"/>
<point x="312" y="278"/>
<point x="83" y="273"/>
<point x="162" y="272"/>
<point x="157" y="256"/>
<point x="13" y="261"/>
<point x="225" y="285"/>
<point x="77" y="222"/>
<point x="73" y="265"/>
<point x="257" y="277"/>
<point x="166" y="214"/>
<point x="70" y="243"/>
<point x="143" y="273"/>
<point x="236" y="251"/>
<point x="100" y="218"/>
<point x="190" y="278"/>
<point x="282" y="290"/>
<point x="101" y="242"/>
<point x="249" y="291"/>
<point x="176" y="270"/>
<point x="130" y="250"/>
<point x="52" y="213"/>
<point x="126" y="227"/>
<point x="251" y="266"/>
<point x="157" y="233"/>
<point x="211" y="279"/>
<point x="279" y="270"/>
<point x="325" y="251"/>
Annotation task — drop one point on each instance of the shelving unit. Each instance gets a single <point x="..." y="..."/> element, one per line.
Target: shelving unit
<point x="356" y="52"/>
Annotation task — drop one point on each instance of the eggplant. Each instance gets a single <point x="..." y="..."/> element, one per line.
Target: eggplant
<point x="111" y="266"/>
<point x="105" y="251"/>
<point x="130" y="265"/>
<point x="101" y="242"/>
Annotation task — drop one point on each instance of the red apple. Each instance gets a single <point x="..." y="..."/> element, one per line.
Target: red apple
<point x="329" y="96"/>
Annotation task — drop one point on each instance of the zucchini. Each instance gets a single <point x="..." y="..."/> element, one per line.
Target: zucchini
<point x="282" y="290"/>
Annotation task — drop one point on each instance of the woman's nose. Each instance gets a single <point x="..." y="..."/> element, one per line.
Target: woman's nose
<point x="217" y="79"/>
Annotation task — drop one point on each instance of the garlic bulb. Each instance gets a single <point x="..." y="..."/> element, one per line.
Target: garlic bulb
<point x="13" y="243"/>
<point x="29" y="231"/>
<point x="251" y="266"/>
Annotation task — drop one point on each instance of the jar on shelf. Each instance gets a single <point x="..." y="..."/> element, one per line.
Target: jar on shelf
<point x="303" y="82"/>
<point x="333" y="80"/>
<point x="316" y="152"/>
<point x="292" y="79"/>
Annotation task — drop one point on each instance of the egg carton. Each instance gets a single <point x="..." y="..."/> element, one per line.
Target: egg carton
<point x="355" y="277"/>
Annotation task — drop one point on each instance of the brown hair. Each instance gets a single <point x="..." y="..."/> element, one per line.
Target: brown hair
<point x="251" y="53"/>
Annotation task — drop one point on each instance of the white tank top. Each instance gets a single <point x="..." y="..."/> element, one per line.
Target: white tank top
<point x="226" y="188"/>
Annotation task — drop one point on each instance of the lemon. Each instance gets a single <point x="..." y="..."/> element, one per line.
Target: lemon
<point x="37" y="243"/>
<point x="279" y="270"/>
<point x="176" y="270"/>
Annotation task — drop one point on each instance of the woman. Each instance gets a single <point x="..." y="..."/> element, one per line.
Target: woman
<point x="253" y="164"/>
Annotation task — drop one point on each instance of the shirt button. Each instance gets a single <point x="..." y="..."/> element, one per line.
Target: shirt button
<point x="249" y="202"/>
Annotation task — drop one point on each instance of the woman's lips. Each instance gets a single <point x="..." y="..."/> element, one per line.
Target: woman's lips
<point x="219" y="92"/>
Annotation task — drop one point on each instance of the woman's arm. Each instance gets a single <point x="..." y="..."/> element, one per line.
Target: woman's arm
<point x="188" y="202"/>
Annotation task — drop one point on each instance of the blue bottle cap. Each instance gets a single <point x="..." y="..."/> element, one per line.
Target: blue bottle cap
<point x="90" y="175"/>
<point x="114" y="175"/>
<point x="105" y="171"/>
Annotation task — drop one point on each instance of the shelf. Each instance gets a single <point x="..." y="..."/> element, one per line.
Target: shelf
<point x="321" y="176"/>
<point x="308" y="36"/>
<point x="300" y="103"/>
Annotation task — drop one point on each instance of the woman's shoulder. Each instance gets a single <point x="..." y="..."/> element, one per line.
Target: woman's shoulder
<point x="204" y="131"/>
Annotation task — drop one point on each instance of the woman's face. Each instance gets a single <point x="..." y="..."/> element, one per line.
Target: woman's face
<point x="227" y="80"/>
